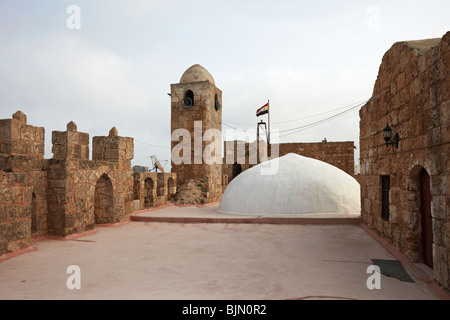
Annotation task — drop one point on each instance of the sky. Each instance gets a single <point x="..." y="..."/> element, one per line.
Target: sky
<point x="111" y="62"/>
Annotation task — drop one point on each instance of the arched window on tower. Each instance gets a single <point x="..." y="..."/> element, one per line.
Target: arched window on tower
<point x="216" y="103"/>
<point x="188" y="100"/>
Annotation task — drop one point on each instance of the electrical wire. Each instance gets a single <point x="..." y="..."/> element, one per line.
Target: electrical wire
<point x="303" y="118"/>
<point x="296" y="129"/>
<point x="316" y="123"/>
<point x="310" y="125"/>
<point x="319" y="114"/>
<point x="234" y="127"/>
<point x="153" y="145"/>
<point x="313" y="124"/>
<point x="301" y="128"/>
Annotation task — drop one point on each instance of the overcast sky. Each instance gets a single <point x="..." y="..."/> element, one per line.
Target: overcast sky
<point x="307" y="57"/>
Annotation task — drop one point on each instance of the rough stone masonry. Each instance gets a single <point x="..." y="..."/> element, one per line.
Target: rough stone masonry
<point x="63" y="195"/>
<point x="69" y="193"/>
<point x="412" y="94"/>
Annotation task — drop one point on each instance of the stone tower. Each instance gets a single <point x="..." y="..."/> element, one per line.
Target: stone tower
<point x="196" y="109"/>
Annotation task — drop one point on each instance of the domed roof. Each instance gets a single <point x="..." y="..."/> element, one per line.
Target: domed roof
<point x="196" y="73"/>
<point x="301" y="185"/>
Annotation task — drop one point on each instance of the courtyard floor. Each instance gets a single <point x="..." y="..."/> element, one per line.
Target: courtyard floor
<point x="188" y="259"/>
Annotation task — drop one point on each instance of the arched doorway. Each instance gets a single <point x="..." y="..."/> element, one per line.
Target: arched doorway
<point x="426" y="219"/>
<point x="136" y="189"/>
<point x="237" y="169"/>
<point x="171" y="187"/>
<point x="160" y="185"/>
<point x="148" y="193"/>
<point x="34" y="216"/>
<point x="104" y="200"/>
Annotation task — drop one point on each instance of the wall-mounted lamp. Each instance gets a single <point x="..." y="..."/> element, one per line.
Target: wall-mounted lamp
<point x="387" y="135"/>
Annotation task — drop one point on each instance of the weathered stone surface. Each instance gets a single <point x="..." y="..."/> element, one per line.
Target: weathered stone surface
<point x="71" y="126"/>
<point x="410" y="94"/>
<point x="56" y="196"/>
<point x="203" y="111"/>
<point x="441" y="270"/>
<point x="113" y="132"/>
<point x="19" y="115"/>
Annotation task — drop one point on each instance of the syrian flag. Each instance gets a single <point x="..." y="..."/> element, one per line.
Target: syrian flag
<point x="263" y="110"/>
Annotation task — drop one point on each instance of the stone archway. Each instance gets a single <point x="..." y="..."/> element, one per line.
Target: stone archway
<point x="34" y="215"/>
<point x="104" y="200"/>
<point x="417" y="215"/>
<point x="425" y="217"/>
<point x="237" y="169"/>
<point x="149" y="199"/>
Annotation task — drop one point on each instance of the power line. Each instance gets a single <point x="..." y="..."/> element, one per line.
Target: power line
<point x="319" y="114"/>
<point x="304" y="127"/>
<point x="313" y="124"/>
<point x="241" y="124"/>
<point x="233" y="127"/>
<point x="153" y="145"/>
<point x="296" y="129"/>
<point x="301" y="128"/>
<point x="303" y="118"/>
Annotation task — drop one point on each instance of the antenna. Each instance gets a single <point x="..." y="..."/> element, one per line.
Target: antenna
<point x="156" y="164"/>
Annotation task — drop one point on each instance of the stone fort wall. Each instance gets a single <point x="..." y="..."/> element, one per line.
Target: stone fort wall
<point x="412" y="94"/>
<point x="23" y="187"/>
<point x="153" y="189"/>
<point x="68" y="193"/>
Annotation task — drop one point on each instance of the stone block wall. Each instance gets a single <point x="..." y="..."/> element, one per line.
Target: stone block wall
<point x="412" y="94"/>
<point x="339" y="154"/>
<point x="153" y="189"/>
<point x="196" y="121"/>
<point x="70" y="144"/>
<point x="23" y="205"/>
<point x="63" y="195"/>
<point x="15" y="213"/>
<point x="21" y="145"/>
<point x="113" y="149"/>
<point x="83" y="192"/>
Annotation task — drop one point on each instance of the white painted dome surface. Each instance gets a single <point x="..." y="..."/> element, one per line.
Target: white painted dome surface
<point x="196" y="73"/>
<point x="302" y="185"/>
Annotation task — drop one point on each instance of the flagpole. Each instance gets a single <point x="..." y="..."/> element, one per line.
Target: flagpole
<point x="268" y="117"/>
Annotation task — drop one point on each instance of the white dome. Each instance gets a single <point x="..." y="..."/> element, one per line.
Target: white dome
<point x="301" y="185"/>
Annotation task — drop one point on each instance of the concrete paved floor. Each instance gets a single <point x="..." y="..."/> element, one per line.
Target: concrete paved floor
<point x="207" y="261"/>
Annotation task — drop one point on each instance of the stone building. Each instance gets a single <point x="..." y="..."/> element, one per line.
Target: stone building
<point x="23" y="185"/>
<point x="405" y="191"/>
<point x="153" y="189"/>
<point x="66" y="194"/>
<point x="196" y="109"/>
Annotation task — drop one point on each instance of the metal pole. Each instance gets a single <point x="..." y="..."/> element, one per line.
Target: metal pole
<point x="268" y="133"/>
<point x="257" y="142"/>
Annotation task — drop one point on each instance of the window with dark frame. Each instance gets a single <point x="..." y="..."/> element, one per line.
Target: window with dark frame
<point x="385" y="187"/>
